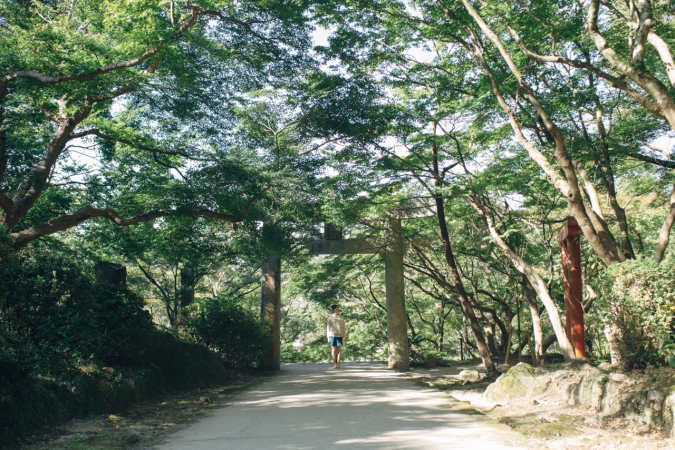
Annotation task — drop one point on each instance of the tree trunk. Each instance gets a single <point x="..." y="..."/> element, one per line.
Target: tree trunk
<point x="538" y="335"/>
<point x="111" y="273"/>
<point x="664" y="235"/>
<point x="535" y="280"/>
<point x="467" y="309"/>
<point x="187" y="288"/>
<point x="613" y="335"/>
<point x="270" y="312"/>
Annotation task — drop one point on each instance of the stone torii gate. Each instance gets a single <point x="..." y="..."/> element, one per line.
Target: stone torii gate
<point x="569" y="237"/>
<point x="393" y="249"/>
<point x="391" y="245"/>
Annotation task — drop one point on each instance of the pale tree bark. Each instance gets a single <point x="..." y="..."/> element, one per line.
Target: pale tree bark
<point x="664" y="235"/>
<point x="589" y="188"/>
<point x="665" y="54"/>
<point x="663" y="101"/>
<point x="594" y="228"/>
<point x="643" y="22"/>
<point x="644" y="13"/>
<point x="533" y="277"/>
<point x="538" y="349"/>
<point x="662" y="105"/>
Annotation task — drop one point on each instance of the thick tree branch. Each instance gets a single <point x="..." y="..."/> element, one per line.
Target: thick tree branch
<point x="644" y="14"/>
<point x="615" y="81"/>
<point x="658" y="91"/>
<point x="590" y="188"/>
<point x="533" y="277"/>
<point x="107" y="137"/>
<point x="246" y="25"/>
<point x="652" y="160"/>
<point x="35" y="181"/>
<point x="22" y="238"/>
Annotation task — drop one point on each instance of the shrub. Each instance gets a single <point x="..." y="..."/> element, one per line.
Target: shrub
<point x="228" y="329"/>
<point x="70" y="347"/>
<point x="55" y="317"/>
<point x="639" y="296"/>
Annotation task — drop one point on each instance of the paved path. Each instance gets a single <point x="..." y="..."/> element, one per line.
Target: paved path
<point x="360" y="406"/>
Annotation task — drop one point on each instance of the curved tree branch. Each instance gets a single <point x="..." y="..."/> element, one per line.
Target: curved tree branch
<point x="24" y="237"/>
<point x="652" y="160"/>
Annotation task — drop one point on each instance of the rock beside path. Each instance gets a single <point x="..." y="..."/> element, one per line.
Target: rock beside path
<point x="520" y="381"/>
<point x="472" y="376"/>
<point x="610" y="394"/>
<point x="583" y="407"/>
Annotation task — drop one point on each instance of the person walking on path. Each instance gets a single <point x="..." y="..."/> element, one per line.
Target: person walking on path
<point x="336" y="333"/>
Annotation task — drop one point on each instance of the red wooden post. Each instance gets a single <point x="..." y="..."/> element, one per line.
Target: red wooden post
<point x="569" y="237"/>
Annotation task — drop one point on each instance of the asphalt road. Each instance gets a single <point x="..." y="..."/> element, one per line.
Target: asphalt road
<point x="360" y="406"/>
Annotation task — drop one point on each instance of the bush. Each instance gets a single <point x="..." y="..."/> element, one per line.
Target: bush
<point x="70" y="347"/>
<point x="35" y="401"/>
<point x="316" y="351"/>
<point x="639" y="296"/>
<point x="54" y="317"/>
<point x="230" y="330"/>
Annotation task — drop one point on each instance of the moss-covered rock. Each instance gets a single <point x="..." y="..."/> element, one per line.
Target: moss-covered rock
<point x="612" y="400"/>
<point x="523" y="380"/>
<point x="591" y="389"/>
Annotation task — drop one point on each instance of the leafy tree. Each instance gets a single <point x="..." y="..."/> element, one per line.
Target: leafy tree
<point x="69" y="67"/>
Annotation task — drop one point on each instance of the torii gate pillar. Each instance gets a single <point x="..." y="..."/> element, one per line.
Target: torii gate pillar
<point x="569" y="237"/>
<point x="270" y="311"/>
<point x="397" y="327"/>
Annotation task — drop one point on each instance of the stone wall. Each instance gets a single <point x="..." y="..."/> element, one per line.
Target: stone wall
<point x="609" y="392"/>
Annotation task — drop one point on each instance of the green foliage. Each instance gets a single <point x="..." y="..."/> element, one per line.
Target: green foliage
<point x="640" y="299"/>
<point x="54" y="317"/>
<point x="32" y="401"/>
<point x="317" y="351"/>
<point x="231" y="331"/>
<point x="70" y="347"/>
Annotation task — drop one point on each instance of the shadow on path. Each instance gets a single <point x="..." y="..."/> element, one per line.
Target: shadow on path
<point x="360" y="406"/>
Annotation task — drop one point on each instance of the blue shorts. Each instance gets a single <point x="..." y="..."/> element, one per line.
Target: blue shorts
<point x="335" y="341"/>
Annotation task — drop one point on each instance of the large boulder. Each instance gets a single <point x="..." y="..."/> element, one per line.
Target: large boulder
<point x="521" y="381"/>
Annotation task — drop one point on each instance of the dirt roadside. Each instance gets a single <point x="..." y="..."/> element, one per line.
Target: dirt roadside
<point x="143" y="425"/>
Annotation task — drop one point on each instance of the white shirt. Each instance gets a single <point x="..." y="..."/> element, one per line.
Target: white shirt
<point x="336" y="326"/>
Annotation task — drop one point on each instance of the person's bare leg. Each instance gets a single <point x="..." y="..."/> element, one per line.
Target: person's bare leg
<point x="337" y="358"/>
<point x="334" y="354"/>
